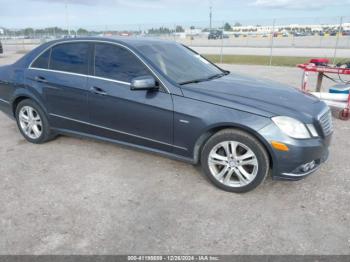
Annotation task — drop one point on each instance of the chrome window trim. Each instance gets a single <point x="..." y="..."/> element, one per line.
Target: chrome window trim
<point x="117" y="131"/>
<point x="76" y="74"/>
<point x="4" y="101"/>
<point x="110" y="80"/>
<point x="56" y="71"/>
<point x="102" y="78"/>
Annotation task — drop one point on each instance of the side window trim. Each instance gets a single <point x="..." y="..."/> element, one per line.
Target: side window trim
<point x="94" y="59"/>
<point x="91" y="58"/>
<point x="49" y="62"/>
<point x="161" y="85"/>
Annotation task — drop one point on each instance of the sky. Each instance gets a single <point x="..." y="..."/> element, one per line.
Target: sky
<point x="112" y="14"/>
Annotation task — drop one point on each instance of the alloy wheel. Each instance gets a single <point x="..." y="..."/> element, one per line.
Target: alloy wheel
<point x="30" y="122"/>
<point x="233" y="163"/>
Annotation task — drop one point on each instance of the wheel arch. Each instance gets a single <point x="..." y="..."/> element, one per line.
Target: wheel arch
<point x="213" y="130"/>
<point x="20" y="96"/>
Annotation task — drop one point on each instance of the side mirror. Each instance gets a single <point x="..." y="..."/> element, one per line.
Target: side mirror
<point x="143" y="83"/>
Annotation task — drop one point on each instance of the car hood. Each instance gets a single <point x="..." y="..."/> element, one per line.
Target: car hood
<point x="259" y="96"/>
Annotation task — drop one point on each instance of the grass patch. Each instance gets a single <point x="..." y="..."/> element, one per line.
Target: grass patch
<point x="22" y="52"/>
<point x="290" y="61"/>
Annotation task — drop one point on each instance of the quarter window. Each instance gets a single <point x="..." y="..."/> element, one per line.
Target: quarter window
<point x="43" y="60"/>
<point x="117" y="63"/>
<point x="71" y="57"/>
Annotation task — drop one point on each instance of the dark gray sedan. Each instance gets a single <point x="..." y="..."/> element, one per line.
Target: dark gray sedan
<point x="163" y="97"/>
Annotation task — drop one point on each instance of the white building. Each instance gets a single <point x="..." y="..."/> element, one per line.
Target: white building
<point x="281" y="28"/>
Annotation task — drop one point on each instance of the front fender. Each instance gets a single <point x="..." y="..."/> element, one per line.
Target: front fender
<point x="220" y="126"/>
<point x="195" y="121"/>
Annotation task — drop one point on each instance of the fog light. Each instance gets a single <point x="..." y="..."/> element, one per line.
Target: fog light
<point x="305" y="168"/>
<point x="308" y="166"/>
<point x="312" y="164"/>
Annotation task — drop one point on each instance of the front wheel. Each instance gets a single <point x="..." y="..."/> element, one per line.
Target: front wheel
<point x="235" y="161"/>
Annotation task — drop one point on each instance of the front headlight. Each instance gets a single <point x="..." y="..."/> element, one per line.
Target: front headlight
<point x="291" y="127"/>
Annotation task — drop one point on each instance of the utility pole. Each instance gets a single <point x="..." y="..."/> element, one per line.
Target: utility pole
<point x="210" y="16"/>
<point x="67" y="17"/>
<point x="337" y="41"/>
<point x="272" y="37"/>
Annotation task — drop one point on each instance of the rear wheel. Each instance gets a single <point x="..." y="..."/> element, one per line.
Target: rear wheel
<point x="32" y="122"/>
<point x="235" y="161"/>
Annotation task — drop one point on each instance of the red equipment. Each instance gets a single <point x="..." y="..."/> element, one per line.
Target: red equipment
<point x="321" y="66"/>
<point x="319" y="61"/>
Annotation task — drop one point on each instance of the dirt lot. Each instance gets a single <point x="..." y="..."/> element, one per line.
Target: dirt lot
<point x="87" y="197"/>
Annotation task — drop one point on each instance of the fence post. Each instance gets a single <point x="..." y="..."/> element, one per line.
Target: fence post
<point x="222" y="43"/>
<point x="337" y="41"/>
<point x="272" y="38"/>
<point x="191" y="35"/>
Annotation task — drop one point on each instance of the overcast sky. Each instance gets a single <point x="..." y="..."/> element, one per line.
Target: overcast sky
<point x="111" y="13"/>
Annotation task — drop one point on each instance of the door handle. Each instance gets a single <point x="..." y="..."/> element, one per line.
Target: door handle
<point x="40" y="79"/>
<point x="98" y="91"/>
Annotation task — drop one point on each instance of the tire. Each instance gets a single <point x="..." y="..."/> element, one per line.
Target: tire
<point x="242" y="169"/>
<point x="41" y="133"/>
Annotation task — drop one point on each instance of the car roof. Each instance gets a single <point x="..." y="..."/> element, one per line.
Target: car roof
<point x="129" y="41"/>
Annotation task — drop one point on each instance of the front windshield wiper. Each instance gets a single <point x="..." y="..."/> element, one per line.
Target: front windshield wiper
<point x="205" y="79"/>
<point x="216" y="76"/>
<point x="192" y="81"/>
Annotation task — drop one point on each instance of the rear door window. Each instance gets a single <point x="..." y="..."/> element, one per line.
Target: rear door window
<point x="43" y="60"/>
<point x="70" y="57"/>
<point x="117" y="63"/>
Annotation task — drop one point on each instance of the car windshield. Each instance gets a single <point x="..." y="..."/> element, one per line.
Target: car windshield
<point x="179" y="63"/>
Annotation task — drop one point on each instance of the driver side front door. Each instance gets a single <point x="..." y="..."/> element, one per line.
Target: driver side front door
<point x="142" y="117"/>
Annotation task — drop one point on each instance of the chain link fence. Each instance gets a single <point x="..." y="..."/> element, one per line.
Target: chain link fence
<point x="269" y="38"/>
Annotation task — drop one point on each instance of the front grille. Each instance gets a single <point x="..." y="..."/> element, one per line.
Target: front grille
<point x="326" y="123"/>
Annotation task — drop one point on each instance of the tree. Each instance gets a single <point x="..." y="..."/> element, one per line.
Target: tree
<point x="227" y="27"/>
<point x="237" y="24"/>
<point x="160" y="30"/>
<point x="82" y="31"/>
<point x="28" y="31"/>
<point x="179" y="29"/>
<point x="192" y="27"/>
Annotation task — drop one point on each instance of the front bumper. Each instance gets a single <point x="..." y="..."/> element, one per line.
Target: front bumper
<point x="297" y="174"/>
<point x="287" y="165"/>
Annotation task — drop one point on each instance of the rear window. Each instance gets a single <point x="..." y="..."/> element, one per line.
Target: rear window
<point x="43" y="60"/>
<point x="71" y="57"/>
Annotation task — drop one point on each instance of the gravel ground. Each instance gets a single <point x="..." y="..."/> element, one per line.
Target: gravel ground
<point x="77" y="196"/>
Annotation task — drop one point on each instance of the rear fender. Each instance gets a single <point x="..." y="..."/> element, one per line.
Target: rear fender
<point x="25" y="93"/>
